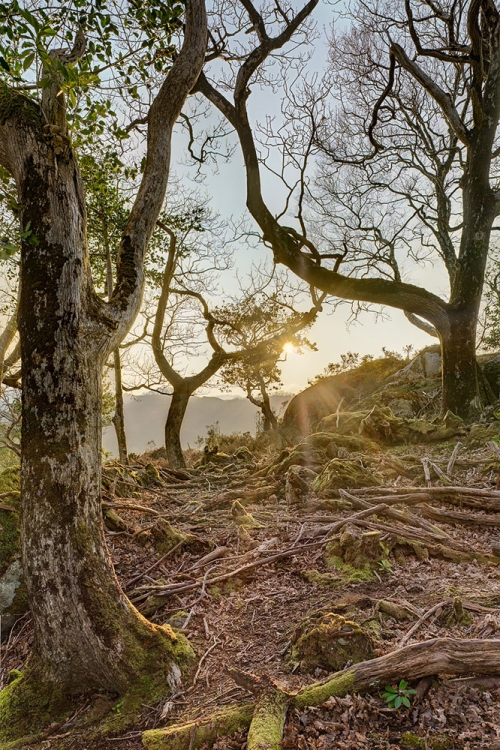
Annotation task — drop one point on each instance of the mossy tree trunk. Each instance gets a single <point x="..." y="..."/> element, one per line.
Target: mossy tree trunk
<point x="87" y="634"/>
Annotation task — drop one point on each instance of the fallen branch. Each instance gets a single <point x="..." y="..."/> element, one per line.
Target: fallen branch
<point x="155" y="565"/>
<point x="129" y="506"/>
<point x="420" y="622"/>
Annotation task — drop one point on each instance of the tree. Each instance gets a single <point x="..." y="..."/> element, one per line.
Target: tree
<point x="87" y="633"/>
<point x="251" y="336"/>
<point x="260" y="318"/>
<point x="451" y="57"/>
<point x="106" y="221"/>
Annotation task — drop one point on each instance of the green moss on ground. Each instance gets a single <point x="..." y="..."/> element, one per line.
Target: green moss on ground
<point x="344" y="474"/>
<point x="329" y="641"/>
<point x="355" y="554"/>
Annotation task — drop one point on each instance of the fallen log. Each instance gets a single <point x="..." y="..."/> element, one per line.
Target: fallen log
<point x="437" y="656"/>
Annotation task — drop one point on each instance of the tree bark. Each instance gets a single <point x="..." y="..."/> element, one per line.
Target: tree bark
<point x="175" y="417"/>
<point x="88" y="635"/>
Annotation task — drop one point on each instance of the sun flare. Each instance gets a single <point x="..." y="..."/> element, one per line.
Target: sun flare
<point x="289" y="348"/>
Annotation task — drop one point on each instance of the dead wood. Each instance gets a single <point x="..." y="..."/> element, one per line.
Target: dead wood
<point x="129" y="506"/>
<point x="455" y="517"/>
<point x="245" y="497"/>
<point x="451" y="551"/>
<point x="398" y="515"/>
<point x="437" y="656"/>
<point x="181" y="587"/>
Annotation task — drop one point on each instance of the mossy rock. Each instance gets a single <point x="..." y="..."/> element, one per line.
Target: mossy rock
<point x="330" y="442"/>
<point x="330" y="642"/>
<point x="165" y="537"/>
<point x="384" y="427"/>
<point x="148" y="476"/>
<point x="302" y="454"/>
<point x="244" y="454"/>
<point x="121" y="480"/>
<point x="480" y="434"/>
<point x="362" y="551"/>
<point x="343" y="474"/>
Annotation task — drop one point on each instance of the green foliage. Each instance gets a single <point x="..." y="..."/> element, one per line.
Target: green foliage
<point x="249" y="323"/>
<point x="385" y="566"/>
<point x="398" y="695"/>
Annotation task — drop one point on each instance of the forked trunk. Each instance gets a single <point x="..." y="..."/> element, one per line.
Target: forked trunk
<point x="175" y="417"/>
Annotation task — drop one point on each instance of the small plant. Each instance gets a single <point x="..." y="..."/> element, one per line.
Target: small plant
<point x="397" y="696"/>
<point x="385" y="566"/>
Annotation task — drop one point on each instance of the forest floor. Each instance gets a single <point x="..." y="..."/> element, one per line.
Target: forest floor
<point x="271" y="538"/>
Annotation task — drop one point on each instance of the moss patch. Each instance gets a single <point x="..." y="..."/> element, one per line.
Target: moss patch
<point x="345" y="474"/>
<point x="330" y="642"/>
<point x="327" y="580"/>
<point x="196" y="733"/>
<point x="355" y="550"/>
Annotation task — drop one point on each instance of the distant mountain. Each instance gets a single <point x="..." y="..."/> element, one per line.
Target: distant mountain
<point x="145" y="418"/>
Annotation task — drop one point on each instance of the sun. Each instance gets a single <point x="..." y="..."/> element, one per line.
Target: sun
<point x="289" y="348"/>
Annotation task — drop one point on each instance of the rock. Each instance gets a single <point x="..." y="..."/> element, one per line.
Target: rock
<point x="425" y="366"/>
<point x="345" y="474"/>
<point x="330" y="642"/>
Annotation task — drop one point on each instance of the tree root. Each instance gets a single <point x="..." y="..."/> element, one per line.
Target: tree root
<point x="266" y="717"/>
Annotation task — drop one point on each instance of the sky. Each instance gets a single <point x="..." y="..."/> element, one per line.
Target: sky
<point x="334" y="332"/>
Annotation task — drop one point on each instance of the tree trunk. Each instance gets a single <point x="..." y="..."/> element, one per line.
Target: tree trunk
<point x="270" y="422"/>
<point x="119" y="415"/>
<point x="87" y="633"/>
<point x="175" y="417"/>
<point x="461" y="393"/>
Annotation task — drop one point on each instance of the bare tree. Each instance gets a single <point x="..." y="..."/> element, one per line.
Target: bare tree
<point x="450" y="55"/>
<point x="226" y="325"/>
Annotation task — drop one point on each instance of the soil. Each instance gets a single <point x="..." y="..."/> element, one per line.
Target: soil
<point x="250" y="620"/>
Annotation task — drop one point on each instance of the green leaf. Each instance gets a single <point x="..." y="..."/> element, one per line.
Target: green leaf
<point x="28" y="60"/>
<point x="398" y="701"/>
<point x="405" y="702"/>
<point x="4" y="64"/>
